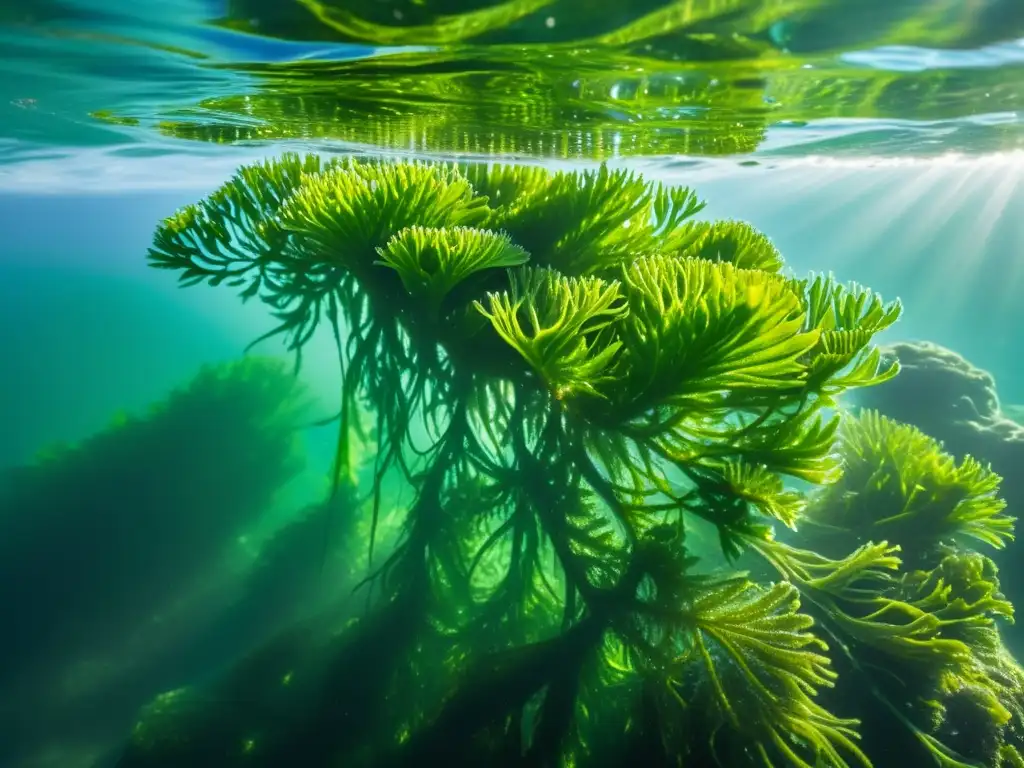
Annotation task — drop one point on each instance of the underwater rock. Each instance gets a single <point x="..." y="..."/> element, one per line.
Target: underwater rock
<point x="1014" y="412"/>
<point x="946" y="396"/>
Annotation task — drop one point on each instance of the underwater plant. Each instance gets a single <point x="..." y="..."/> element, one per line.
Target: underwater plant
<point x="953" y="400"/>
<point x="920" y="637"/>
<point x="286" y="580"/>
<point x="102" y="539"/>
<point x="570" y="371"/>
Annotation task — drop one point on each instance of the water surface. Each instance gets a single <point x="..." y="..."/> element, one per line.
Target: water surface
<point x="553" y="78"/>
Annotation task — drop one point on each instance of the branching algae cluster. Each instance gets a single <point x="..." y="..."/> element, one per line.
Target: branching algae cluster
<point x="129" y="517"/>
<point x="569" y="370"/>
<point x="104" y="542"/>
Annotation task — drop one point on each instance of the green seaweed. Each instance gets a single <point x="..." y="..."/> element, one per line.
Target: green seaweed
<point x="570" y="372"/>
<point x="917" y="613"/>
<point x="111" y="547"/>
<point x="162" y="493"/>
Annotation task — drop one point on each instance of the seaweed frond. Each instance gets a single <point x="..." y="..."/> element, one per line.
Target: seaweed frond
<point x="900" y="485"/>
<point x="432" y="262"/>
<point x="699" y="329"/>
<point x="564" y="318"/>
<point x="763" y="667"/>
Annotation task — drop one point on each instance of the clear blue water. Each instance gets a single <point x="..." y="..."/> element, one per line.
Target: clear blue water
<point x="881" y="141"/>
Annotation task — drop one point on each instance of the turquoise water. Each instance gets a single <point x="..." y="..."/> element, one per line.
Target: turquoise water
<point x="881" y="141"/>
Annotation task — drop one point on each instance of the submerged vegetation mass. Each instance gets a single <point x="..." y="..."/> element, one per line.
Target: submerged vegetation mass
<point x="572" y="374"/>
<point x="113" y="549"/>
